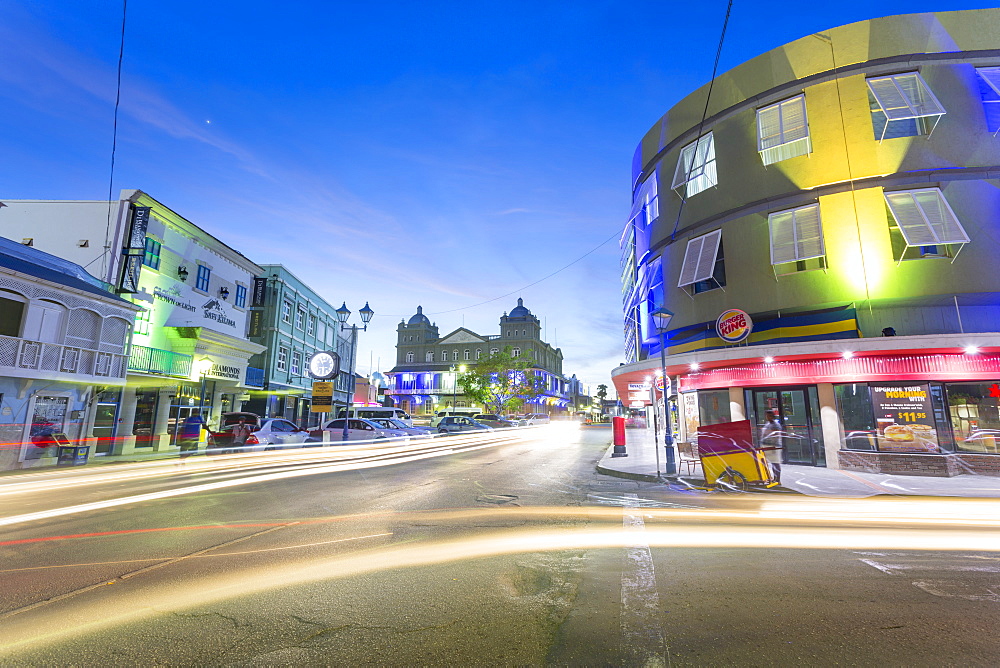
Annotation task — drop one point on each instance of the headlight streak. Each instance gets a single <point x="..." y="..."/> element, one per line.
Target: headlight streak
<point x="365" y="459"/>
<point x="126" y="603"/>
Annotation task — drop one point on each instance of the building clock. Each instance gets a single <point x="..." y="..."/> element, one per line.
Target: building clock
<point x="324" y="365"/>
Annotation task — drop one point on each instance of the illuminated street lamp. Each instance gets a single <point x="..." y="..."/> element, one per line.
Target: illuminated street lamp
<point x="343" y="313"/>
<point x="454" y="394"/>
<point x="662" y="318"/>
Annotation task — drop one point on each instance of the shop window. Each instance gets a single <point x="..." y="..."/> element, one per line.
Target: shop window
<point x="922" y="224"/>
<point x="783" y="130"/>
<point x="695" y="170"/>
<point x="975" y="416"/>
<point x="204" y="274"/>
<point x="989" y="90"/>
<point x="855" y="408"/>
<point x="241" y="296"/>
<point x="142" y="321"/>
<point x="151" y="258"/>
<point x="902" y="105"/>
<point x="703" y="268"/>
<point x="796" y="240"/>
<point x="11" y="313"/>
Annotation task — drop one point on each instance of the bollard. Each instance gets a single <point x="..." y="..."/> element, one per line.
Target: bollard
<point x="618" y="436"/>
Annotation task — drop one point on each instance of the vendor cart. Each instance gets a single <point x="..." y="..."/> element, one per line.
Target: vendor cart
<point x="728" y="456"/>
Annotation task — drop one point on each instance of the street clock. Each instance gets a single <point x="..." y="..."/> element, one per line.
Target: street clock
<point x="324" y="365"/>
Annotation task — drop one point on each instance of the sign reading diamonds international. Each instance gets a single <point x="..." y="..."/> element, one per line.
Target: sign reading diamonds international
<point x="734" y="325"/>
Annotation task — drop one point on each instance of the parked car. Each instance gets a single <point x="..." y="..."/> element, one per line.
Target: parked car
<point x="454" y="424"/>
<point x="455" y="412"/>
<point x="537" y="418"/>
<point x="372" y="412"/>
<point x="392" y="423"/>
<point x="268" y="434"/>
<point x="358" y="429"/>
<point x="492" y="420"/>
<point x="516" y="420"/>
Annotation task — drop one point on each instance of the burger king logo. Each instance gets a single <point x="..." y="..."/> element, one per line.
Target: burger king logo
<point x="733" y="325"/>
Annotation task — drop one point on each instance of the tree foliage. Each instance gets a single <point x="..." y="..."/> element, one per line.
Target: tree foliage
<point x="602" y="391"/>
<point x="502" y="382"/>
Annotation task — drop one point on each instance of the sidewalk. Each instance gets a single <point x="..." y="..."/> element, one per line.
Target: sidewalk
<point x="812" y="481"/>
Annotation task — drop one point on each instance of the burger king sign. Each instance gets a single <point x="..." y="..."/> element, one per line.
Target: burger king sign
<point x="733" y="325"/>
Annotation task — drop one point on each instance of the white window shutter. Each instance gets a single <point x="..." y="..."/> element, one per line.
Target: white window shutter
<point x="769" y="127"/>
<point x="689" y="269"/>
<point x="695" y="170"/>
<point x="683" y="166"/>
<point x="890" y="98"/>
<point x="925" y="218"/>
<point x="991" y="75"/>
<point x="708" y="255"/>
<point x="903" y="96"/>
<point x="793" y="119"/>
<point x="808" y="233"/>
<point x="782" y="227"/>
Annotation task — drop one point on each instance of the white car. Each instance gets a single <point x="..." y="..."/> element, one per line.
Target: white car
<point x="536" y="419"/>
<point x="358" y="429"/>
<point x="270" y="434"/>
<point x="393" y="423"/>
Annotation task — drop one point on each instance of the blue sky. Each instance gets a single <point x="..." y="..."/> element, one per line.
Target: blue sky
<point x="400" y="153"/>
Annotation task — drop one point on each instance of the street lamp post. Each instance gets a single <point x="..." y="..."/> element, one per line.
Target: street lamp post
<point x="343" y="313"/>
<point x="662" y="317"/>
<point x="204" y="366"/>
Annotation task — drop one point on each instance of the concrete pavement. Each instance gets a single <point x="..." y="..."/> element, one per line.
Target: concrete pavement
<point x="641" y="464"/>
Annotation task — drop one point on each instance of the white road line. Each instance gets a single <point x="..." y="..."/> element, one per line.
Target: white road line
<point x="874" y="564"/>
<point x="640" y="620"/>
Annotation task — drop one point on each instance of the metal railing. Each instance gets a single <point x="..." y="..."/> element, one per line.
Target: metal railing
<point x="255" y="377"/>
<point x="26" y="355"/>
<point x="161" y="362"/>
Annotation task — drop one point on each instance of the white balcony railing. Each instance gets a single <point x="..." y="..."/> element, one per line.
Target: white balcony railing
<point x="18" y="357"/>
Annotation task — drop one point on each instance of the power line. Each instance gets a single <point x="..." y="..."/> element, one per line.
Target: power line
<point x="521" y="289"/>
<point x="704" y="113"/>
<point x="114" y="135"/>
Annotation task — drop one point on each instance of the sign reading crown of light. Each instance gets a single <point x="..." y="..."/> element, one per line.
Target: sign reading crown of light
<point x="733" y="325"/>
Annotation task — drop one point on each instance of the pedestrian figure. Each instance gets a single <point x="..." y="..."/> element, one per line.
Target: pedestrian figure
<point x="770" y="443"/>
<point x="241" y="430"/>
<point x="191" y="434"/>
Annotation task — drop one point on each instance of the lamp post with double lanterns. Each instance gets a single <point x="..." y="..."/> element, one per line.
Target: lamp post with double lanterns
<point x="455" y="370"/>
<point x="343" y="313"/>
<point x="662" y="318"/>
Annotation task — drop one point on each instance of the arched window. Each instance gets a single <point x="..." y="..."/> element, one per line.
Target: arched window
<point x="429" y="357"/>
<point x="455" y="355"/>
<point x="468" y="354"/>
<point x="409" y="356"/>
<point x="516" y="352"/>
<point x="84" y="328"/>
<point x="479" y="353"/>
<point x="113" y="335"/>
<point x="12" y="307"/>
<point x="444" y="355"/>
<point x="46" y="321"/>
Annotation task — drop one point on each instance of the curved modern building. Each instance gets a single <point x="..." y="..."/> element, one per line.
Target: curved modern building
<point x="825" y="235"/>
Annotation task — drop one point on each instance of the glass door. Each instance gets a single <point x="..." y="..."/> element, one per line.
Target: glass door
<point x="797" y="410"/>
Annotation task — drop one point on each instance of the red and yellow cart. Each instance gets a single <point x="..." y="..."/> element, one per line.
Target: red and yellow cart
<point x="728" y="456"/>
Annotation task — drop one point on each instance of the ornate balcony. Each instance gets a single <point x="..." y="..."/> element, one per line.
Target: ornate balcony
<point x="23" y="358"/>
<point x="159" y="362"/>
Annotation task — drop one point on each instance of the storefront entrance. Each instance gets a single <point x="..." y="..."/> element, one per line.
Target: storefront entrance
<point x="797" y="409"/>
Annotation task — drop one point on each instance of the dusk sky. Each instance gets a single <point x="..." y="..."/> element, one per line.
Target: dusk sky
<point x="436" y="153"/>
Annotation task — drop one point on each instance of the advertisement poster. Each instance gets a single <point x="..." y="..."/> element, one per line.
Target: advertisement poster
<point x="905" y="418"/>
<point x="691" y="417"/>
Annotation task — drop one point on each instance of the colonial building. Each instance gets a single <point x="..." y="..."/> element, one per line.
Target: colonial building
<point x="190" y="349"/>
<point x="427" y="364"/>
<point x="63" y="356"/>
<point x="293" y="322"/>
<point x="813" y="235"/>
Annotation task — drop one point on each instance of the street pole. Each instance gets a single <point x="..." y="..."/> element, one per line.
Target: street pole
<point x="656" y="421"/>
<point x="350" y="391"/>
<point x="668" y="440"/>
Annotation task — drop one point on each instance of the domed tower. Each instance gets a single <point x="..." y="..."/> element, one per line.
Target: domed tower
<point x="417" y="331"/>
<point x="520" y="324"/>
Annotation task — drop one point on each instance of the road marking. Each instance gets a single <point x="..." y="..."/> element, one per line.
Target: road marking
<point x="640" y="620"/>
<point x="969" y="591"/>
<point x="875" y="564"/>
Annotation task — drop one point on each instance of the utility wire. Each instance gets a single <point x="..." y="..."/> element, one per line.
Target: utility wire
<point x="704" y="113"/>
<point x="114" y="136"/>
<point x="521" y="289"/>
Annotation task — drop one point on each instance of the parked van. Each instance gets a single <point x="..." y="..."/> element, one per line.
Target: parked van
<point x="369" y="412"/>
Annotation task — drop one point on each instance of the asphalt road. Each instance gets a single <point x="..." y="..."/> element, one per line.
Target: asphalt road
<point x="509" y="554"/>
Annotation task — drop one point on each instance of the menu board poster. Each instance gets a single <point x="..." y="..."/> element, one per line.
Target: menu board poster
<point x="905" y="417"/>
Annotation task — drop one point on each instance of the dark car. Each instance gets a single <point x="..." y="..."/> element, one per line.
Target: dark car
<point x="492" y="420"/>
<point x="455" y="424"/>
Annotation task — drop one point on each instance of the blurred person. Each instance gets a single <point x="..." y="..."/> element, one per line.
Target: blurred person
<point x="241" y="431"/>
<point x="770" y="443"/>
<point x="190" y="434"/>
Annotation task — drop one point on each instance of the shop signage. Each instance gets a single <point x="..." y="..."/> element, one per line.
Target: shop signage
<point x="172" y="296"/>
<point x="904" y="417"/>
<point x="733" y="325"/>
<point x="635" y="396"/>
<point x="135" y="248"/>
<point x="256" y="323"/>
<point x="259" y="291"/>
<point x="638" y="387"/>
<point x="224" y="371"/>
<point x="322" y="397"/>
<point x="213" y="311"/>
